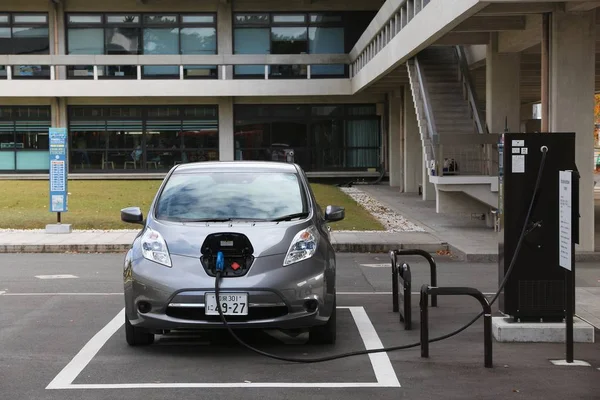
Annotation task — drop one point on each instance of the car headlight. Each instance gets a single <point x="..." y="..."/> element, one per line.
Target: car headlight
<point x="154" y="248"/>
<point x="303" y="246"/>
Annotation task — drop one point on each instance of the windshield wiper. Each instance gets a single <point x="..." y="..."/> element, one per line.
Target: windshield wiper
<point x="207" y="220"/>
<point x="224" y="219"/>
<point x="289" y="217"/>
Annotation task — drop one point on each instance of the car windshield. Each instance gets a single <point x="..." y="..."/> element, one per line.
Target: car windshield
<point x="223" y="196"/>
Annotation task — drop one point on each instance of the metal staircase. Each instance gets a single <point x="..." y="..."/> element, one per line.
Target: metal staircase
<point x="458" y="149"/>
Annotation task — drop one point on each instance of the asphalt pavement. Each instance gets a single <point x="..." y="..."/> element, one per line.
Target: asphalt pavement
<point x="61" y="337"/>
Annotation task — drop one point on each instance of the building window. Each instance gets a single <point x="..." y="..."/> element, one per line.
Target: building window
<point x="142" y="138"/>
<point x="262" y="33"/>
<point x="320" y="137"/>
<point x="154" y="34"/>
<point x="24" y="138"/>
<point x="25" y="33"/>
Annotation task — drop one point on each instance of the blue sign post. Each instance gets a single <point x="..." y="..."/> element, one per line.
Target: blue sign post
<point x="58" y="171"/>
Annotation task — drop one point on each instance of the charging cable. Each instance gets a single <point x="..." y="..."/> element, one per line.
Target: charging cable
<point x="524" y="232"/>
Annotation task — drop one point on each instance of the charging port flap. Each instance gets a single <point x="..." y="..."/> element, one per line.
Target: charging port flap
<point x="236" y="252"/>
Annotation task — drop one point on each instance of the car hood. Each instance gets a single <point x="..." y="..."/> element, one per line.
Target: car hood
<point x="267" y="238"/>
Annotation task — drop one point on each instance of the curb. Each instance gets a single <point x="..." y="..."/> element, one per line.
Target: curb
<point x="493" y="257"/>
<point x="123" y="248"/>
<point x="338" y="247"/>
<point x="65" y="248"/>
<point x="387" y="247"/>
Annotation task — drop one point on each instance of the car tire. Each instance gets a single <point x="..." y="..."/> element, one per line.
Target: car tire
<point x="325" y="334"/>
<point x="137" y="336"/>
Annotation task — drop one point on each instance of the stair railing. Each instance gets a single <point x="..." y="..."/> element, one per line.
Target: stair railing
<point x="465" y="75"/>
<point x="431" y="127"/>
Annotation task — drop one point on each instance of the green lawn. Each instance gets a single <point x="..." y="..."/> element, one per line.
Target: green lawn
<point x="96" y="204"/>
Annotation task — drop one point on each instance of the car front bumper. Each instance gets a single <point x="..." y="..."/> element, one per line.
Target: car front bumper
<point x="277" y="295"/>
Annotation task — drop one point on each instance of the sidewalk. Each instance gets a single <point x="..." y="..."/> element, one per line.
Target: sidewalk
<point x="37" y="241"/>
<point x="467" y="239"/>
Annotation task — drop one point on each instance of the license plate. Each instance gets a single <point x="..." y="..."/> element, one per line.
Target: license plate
<point x="231" y="304"/>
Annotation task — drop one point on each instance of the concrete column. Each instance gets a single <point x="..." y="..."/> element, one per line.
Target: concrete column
<point x="225" y="35"/>
<point x="412" y="148"/>
<point x="226" y="129"/>
<point x="57" y="34"/>
<point x="58" y="109"/>
<point x="572" y="76"/>
<point x="503" y="101"/>
<point x="395" y="139"/>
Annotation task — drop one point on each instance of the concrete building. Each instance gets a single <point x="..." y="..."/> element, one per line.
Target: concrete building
<point x="346" y="85"/>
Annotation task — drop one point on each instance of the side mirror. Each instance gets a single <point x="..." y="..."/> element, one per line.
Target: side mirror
<point x="334" y="213"/>
<point x="132" y="215"/>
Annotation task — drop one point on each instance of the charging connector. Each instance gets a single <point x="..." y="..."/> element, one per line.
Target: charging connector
<point x="220" y="264"/>
<point x="524" y="232"/>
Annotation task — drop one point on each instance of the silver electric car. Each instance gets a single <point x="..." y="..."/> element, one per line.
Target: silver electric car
<point x="262" y="220"/>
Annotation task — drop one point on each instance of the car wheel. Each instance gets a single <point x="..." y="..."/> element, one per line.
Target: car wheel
<point x="137" y="336"/>
<point x="325" y="334"/>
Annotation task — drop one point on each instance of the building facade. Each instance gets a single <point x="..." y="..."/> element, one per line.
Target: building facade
<point x="416" y="88"/>
<point x="146" y="85"/>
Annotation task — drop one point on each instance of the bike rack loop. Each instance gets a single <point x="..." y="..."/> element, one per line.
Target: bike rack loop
<point x="403" y="273"/>
<point x="432" y="272"/>
<point x="426" y="290"/>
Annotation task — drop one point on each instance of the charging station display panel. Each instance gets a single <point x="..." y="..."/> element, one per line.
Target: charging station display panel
<point x="536" y="287"/>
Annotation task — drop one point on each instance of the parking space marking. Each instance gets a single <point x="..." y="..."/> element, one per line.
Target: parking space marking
<point x="69" y="373"/>
<point x="386" y="293"/>
<point x="227" y="385"/>
<point x="64" y="276"/>
<point x="3" y="293"/>
<point x="382" y="366"/>
<point x="376" y="265"/>
<point x="60" y="294"/>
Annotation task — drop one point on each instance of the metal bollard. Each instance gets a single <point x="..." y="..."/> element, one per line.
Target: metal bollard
<point x="456" y="291"/>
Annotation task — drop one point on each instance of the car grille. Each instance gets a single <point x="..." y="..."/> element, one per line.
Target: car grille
<point x="254" y="314"/>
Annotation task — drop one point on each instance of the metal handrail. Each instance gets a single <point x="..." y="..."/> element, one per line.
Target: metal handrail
<point x="431" y="128"/>
<point x="471" y="92"/>
<point x="426" y="100"/>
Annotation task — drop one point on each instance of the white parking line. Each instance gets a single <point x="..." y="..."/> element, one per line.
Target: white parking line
<point x="85" y="355"/>
<point x="3" y="293"/>
<point x="64" y="276"/>
<point x="382" y="366"/>
<point x="385" y="293"/>
<point x="60" y="294"/>
<point x="226" y="385"/>
<point x="376" y="265"/>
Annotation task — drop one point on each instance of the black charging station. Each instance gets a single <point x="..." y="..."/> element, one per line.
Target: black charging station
<point x="536" y="289"/>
